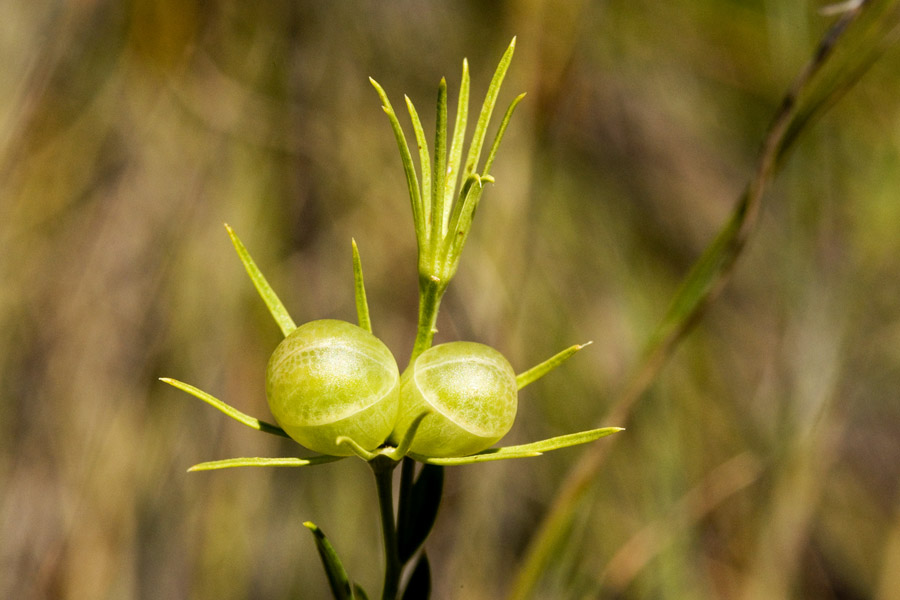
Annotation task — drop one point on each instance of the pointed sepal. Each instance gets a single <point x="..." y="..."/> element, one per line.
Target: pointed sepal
<point x="538" y="371"/>
<point x="524" y="450"/>
<point x="487" y="109"/>
<point x="276" y="308"/>
<point x="229" y="410"/>
<point x="359" y="289"/>
<point x="409" y="168"/>
<point x="229" y="463"/>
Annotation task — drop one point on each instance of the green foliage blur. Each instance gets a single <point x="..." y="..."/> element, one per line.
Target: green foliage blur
<point x="763" y="463"/>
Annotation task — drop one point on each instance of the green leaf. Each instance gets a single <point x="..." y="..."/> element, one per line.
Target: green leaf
<point x="524" y="450"/>
<point x="276" y="308"/>
<point x="440" y="165"/>
<point x="424" y="500"/>
<point x="229" y="410"/>
<point x="455" y="159"/>
<point x="359" y="287"/>
<point x="487" y="108"/>
<point x="503" y="124"/>
<point x="419" y="586"/>
<point x="360" y="593"/>
<point x="462" y="222"/>
<point x="565" y="441"/>
<point x="406" y="158"/>
<point x="538" y="371"/>
<point x="338" y="579"/>
<point x="229" y="463"/>
<point x="424" y="162"/>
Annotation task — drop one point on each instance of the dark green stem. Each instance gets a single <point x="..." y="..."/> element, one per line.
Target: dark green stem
<point x="404" y="510"/>
<point x="383" y="467"/>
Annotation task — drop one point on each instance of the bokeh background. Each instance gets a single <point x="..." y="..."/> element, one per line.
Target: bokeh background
<point x="763" y="462"/>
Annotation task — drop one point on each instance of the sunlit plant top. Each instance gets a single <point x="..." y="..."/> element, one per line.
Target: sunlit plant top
<point x="336" y="389"/>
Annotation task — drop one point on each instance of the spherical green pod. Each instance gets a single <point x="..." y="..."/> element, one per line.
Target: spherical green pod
<point x="471" y="392"/>
<point x="331" y="378"/>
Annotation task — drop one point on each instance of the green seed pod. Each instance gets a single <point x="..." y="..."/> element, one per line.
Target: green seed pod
<point x="471" y="392"/>
<point x="331" y="378"/>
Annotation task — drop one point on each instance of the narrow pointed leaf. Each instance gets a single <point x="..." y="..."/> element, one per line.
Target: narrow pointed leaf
<point x="460" y="202"/>
<point x="338" y="579"/>
<point x="424" y="500"/>
<point x="565" y="441"/>
<point x="419" y="586"/>
<point x="524" y="450"/>
<point x="483" y="456"/>
<point x="466" y="215"/>
<point x="230" y="463"/>
<point x="359" y="286"/>
<point x="538" y="371"/>
<point x="226" y="408"/>
<point x="486" y="109"/>
<point x="499" y="137"/>
<point x="276" y="308"/>
<point x="424" y="162"/>
<point x="454" y="162"/>
<point x="408" y="167"/>
<point x="440" y="163"/>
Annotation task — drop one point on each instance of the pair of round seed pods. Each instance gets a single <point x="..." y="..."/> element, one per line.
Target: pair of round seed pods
<point x="330" y="378"/>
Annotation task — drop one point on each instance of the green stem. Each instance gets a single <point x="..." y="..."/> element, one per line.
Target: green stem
<point x="430" y="293"/>
<point x="383" y="468"/>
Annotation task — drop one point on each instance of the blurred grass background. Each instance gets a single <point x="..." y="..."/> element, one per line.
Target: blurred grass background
<point x="763" y="463"/>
